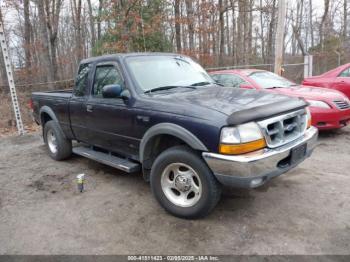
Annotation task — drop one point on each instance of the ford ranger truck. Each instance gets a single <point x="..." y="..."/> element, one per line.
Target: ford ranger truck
<point x="163" y="116"/>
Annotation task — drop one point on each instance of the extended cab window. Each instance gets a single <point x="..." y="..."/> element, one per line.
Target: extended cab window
<point x="81" y="80"/>
<point x="106" y="75"/>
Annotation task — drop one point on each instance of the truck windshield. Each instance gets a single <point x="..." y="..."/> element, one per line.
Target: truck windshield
<point x="156" y="72"/>
<point x="267" y="80"/>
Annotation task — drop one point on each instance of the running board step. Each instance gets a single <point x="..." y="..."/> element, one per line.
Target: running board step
<point x="107" y="159"/>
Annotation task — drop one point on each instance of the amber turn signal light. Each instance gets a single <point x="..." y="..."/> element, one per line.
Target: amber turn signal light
<point x="309" y="122"/>
<point x="237" y="149"/>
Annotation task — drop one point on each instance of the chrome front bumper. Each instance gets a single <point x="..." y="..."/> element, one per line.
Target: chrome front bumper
<point x="254" y="169"/>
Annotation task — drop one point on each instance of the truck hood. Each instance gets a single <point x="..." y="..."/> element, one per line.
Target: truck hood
<point x="229" y="101"/>
<point x="311" y="93"/>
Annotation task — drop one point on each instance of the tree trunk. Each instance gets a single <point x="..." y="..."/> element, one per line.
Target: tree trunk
<point x="262" y="38"/>
<point x="345" y="19"/>
<point x="233" y="45"/>
<point x="189" y="7"/>
<point x="45" y="54"/>
<point x="92" y="26"/>
<point x="77" y="25"/>
<point x="311" y="23"/>
<point x="250" y="32"/>
<point x="53" y="11"/>
<point x="240" y="28"/>
<point x="299" y="40"/>
<point x="27" y="40"/>
<point x="324" y="16"/>
<point x="270" y="43"/>
<point x="222" y="33"/>
<point x="100" y="4"/>
<point x="229" y="51"/>
<point x="177" y="26"/>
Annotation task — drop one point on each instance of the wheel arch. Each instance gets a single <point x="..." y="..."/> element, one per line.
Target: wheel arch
<point x="47" y="114"/>
<point x="161" y="137"/>
<point x="168" y="129"/>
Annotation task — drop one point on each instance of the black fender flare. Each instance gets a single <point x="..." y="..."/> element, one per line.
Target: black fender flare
<point x="173" y="130"/>
<point x="49" y="111"/>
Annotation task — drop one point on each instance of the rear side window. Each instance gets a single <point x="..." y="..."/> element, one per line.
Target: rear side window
<point x="82" y="79"/>
<point x="345" y="73"/>
<point x="106" y="75"/>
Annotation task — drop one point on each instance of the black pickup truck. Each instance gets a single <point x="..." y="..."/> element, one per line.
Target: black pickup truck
<point x="163" y="115"/>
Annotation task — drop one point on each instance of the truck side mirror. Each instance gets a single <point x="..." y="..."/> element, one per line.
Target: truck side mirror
<point x="246" y="86"/>
<point x="125" y="94"/>
<point x="111" y="91"/>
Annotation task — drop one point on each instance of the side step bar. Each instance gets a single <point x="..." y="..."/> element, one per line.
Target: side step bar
<point x="107" y="159"/>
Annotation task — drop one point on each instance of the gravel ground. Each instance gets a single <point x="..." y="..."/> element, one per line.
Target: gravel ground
<point x="306" y="211"/>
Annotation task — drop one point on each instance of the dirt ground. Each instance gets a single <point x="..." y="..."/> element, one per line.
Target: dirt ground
<point x="306" y="211"/>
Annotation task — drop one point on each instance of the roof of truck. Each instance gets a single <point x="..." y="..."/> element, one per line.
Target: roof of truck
<point x="118" y="55"/>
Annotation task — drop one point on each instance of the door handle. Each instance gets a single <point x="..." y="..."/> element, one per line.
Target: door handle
<point x="142" y="118"/>
<point x="89" y="108"/>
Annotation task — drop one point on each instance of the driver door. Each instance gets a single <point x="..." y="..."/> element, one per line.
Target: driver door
<point x="109" y="120"/>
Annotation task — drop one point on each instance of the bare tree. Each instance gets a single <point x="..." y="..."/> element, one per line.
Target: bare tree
<point x="177" y="25"/>
<point x="345" y="19"/>
<point x="92" y="26"/>
<point x="323" y="19"/>
<point x="45" y="54"/>
<point x="311" y="22"/>
<point x="27" y="40"/>
<point x="270" y="41"/>
<point x="53" y="9"/>
<point x="222" y="32"/>
<point x="190" y="17"/>
<point x="100" y="5"/>
<point x="76" y="15"/>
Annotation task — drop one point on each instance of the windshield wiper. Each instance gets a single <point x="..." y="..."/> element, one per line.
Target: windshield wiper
<point x="273" y="87"/>
<point x="161" y="88"/>
<point x="204" y="83"/>
<point x="180" y="58"/>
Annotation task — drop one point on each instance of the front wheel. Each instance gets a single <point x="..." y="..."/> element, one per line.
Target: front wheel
<point x="183" y="184"/>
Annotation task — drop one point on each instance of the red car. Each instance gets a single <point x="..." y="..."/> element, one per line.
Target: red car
<point x="330" y="109"/>
<point x="337" y="79"/>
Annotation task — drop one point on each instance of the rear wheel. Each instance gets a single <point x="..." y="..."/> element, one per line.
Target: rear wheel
<point x="58" y="146"/>
<point x="183" y="184"/>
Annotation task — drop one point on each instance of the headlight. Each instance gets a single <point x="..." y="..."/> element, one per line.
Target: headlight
<point x="316" y="103"/>
<point x="241" y="139"/>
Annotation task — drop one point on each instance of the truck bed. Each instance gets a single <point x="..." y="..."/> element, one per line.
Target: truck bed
<point x="58" y="102"/>
<point x="55" y="93"/>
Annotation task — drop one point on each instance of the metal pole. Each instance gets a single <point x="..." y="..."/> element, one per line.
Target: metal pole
<point x="311" y="62"/>
<point x="338" y="54"/>
<point x="279" y="44"/>
<point x="306" y="66"/>
<point x="10" y="79"/>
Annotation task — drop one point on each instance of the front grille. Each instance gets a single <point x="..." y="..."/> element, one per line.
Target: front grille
<point x="342" y="104"/>
<point x="283" y="129"/>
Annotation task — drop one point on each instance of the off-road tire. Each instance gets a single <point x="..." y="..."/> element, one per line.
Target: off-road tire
<point x="64" y="145"/>
<point x="211" y="188"/>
